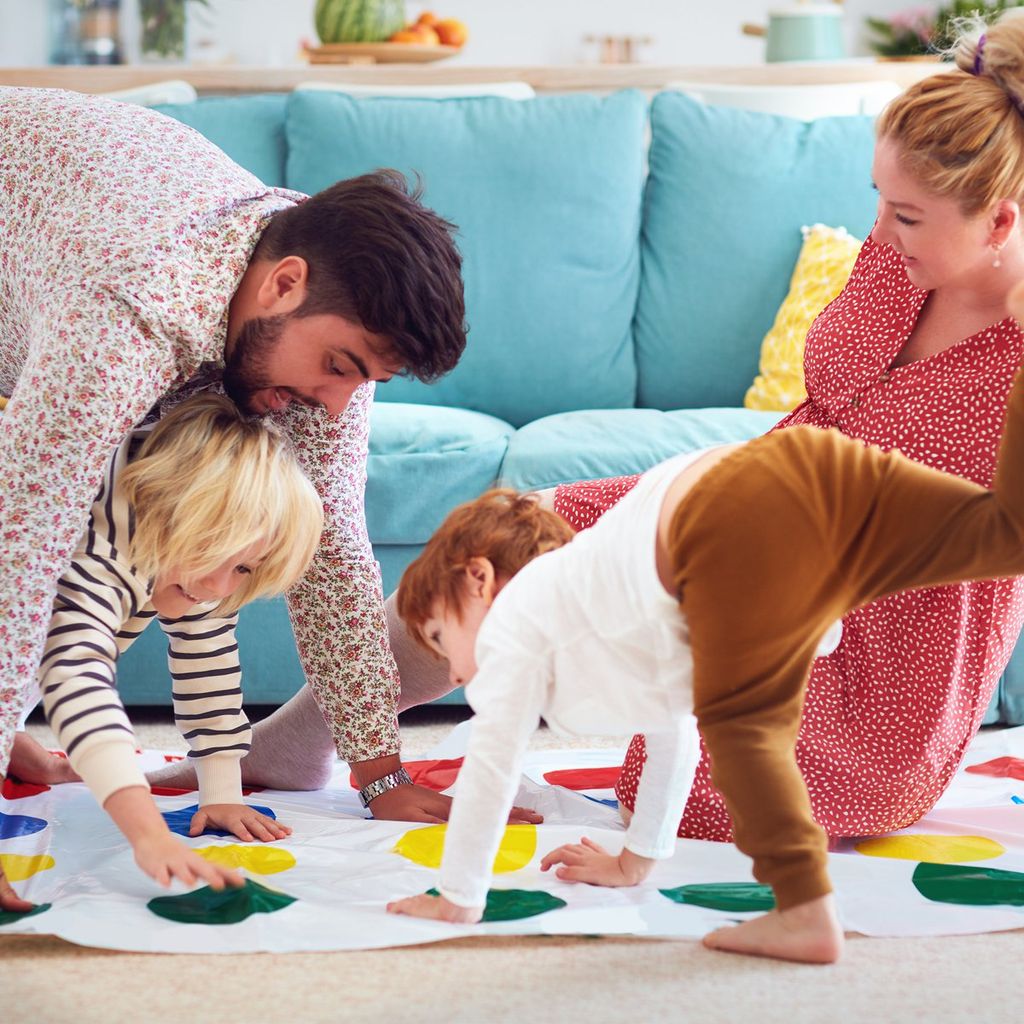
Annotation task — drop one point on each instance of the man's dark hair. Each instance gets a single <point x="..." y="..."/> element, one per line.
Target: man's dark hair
<point x="379" y="257"/>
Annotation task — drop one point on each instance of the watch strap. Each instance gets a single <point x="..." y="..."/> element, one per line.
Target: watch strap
<point x="383" y="784"/>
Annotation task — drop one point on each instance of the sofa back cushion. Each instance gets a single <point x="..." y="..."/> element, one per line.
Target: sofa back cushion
<point x="546" y="194"/>
<point x="726" y="197"/>
<point x="250" y="129"/>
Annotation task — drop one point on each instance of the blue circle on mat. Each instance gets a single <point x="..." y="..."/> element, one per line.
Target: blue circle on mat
<point x="601" y="800"/>
<point x="181" y="821"/>
<point x="14" y="825"/>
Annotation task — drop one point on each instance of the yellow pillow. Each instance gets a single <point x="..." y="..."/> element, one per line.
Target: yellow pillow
<point x="821" y="271"/>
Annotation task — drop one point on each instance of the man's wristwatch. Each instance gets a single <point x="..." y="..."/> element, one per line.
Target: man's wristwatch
<point x="382" y="785"/>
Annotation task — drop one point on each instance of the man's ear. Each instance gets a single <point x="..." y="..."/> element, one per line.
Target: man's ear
<point x="284" y="286"/>
<point x="481" y="579"/>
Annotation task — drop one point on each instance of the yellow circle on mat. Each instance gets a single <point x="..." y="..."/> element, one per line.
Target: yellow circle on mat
<point x="17" y="867"/>
<point x="933" y="849"/>
<point x="425" y="846"/>
<point x="264" y="860"/>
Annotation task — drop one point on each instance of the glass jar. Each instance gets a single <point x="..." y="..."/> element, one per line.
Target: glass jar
<point x="85" y="31"/>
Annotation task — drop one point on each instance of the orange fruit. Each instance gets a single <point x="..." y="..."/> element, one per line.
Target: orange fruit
<point x="427" y="36"/>
<point x="406" y="35"/>
<point x="427" y="18"/>
<point x="452" y="32"/>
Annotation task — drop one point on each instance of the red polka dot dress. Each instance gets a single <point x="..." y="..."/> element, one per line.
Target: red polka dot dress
<point x="889" y="713"/>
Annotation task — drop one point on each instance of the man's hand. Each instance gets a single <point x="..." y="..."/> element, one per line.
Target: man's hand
<point x="411" y="803"/>
<point x="417" y="803"/>
<point x="435" y="908"/>
<point x="163" y="857"/>
<point x="242" y="821"/>
<point x="585" y="861"/>
<point x="9" y="899"/>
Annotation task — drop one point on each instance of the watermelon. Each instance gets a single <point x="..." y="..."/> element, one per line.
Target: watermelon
<point x="358" y="21"/>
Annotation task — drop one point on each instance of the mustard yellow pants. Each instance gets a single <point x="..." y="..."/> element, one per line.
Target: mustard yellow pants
<point x="774" y="544"/>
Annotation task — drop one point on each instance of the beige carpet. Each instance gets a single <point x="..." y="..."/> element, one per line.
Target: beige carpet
<point x="521" y="980"/>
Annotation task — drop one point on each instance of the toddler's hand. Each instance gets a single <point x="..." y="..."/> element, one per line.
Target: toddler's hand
<point x="242" y="821"/>
<point x="163" y="857"/>
<point x="436" y="908"/>
<point x="585" y="861"/>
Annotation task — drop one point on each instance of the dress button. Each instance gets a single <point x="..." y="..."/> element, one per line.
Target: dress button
<point x="855" y="401"/>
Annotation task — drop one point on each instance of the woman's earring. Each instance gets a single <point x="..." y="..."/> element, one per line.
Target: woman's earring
<point x="997" y="262"/>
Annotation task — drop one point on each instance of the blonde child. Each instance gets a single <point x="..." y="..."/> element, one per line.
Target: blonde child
<point x="705" y="592"/>
<point x="197" y="516"/>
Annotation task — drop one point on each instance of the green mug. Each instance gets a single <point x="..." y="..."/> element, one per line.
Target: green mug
<point x="805" y="32"/>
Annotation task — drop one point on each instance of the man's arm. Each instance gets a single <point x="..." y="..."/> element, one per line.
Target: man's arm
<point x="92" y="372"/>
<point x="337" y="611"/>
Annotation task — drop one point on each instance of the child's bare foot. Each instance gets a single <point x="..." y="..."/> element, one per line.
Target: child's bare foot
<point x="808" y="933"/>
<point x="32" y="762"/>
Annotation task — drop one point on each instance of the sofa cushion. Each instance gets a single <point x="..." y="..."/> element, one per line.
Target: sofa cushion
<point x="546" y="195"/>
<point x="250" y="129"/>
<point x="727" y="194"/>
<point x="601" y="443"/>
<point x="424" y="460"/>
<point x="824" y="266"/>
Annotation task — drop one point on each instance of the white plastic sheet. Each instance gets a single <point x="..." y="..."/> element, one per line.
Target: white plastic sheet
<point x="346" y="869"/>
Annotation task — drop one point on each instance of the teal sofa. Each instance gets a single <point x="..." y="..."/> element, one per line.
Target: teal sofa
<point x="624" y="256"/>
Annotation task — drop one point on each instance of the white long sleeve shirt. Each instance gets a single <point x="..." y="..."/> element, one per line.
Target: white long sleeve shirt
<point x="586" y="637"/>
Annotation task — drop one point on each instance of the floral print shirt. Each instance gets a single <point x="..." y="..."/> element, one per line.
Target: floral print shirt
<point x="123" y="236"/>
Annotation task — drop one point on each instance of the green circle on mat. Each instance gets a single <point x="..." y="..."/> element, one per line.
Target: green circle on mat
<point x="13" y="916"/>
<point x="971" y="886"/>
<point x="515" y="904"/>
<point x="733" y="896"/>
<point x="229" y="906"/>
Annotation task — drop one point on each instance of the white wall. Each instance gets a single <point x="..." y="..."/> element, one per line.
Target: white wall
<point x="502" y="31"/>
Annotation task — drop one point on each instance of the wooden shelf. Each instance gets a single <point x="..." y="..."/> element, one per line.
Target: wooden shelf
<point x="569" y="78"/>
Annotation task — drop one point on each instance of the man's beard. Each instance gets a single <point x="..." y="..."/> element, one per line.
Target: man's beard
<point x="246" y="368"/>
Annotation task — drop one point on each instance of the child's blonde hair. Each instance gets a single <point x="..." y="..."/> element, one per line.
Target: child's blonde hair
<point x="208" y="483"/>
<point x="505" y="527"/>
<point x="962" y="133"/>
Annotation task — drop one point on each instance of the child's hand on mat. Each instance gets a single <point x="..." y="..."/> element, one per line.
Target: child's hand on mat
<point x="436" y="908"/>
<point x="242" y="821"/>
<point x="157" y="851"/>
<point x="163" y="857"/>
<point x="585" y="861"/>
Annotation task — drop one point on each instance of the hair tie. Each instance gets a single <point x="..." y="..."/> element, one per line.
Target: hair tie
<point x="979" y="49"/>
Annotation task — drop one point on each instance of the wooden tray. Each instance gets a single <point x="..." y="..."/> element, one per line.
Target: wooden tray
<point x="377" y="53"/>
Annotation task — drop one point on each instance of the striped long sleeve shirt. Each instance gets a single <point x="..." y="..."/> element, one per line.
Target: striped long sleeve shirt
<point x="102" y="605"/>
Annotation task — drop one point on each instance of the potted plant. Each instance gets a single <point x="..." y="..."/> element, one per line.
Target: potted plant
<point x="163" y="28"/>
<point x="926" y="31"/>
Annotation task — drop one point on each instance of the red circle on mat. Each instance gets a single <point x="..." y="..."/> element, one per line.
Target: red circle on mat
<point x="14" y="790"/>
<point x="436" y="775"/>
<point x="584" y="778"/>
<point x="1000" y="768"/>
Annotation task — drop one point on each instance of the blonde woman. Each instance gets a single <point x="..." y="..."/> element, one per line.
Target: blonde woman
<point x="199" y="515"/>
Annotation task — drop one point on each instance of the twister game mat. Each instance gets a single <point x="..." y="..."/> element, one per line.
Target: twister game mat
<point x="960" y="870"/>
